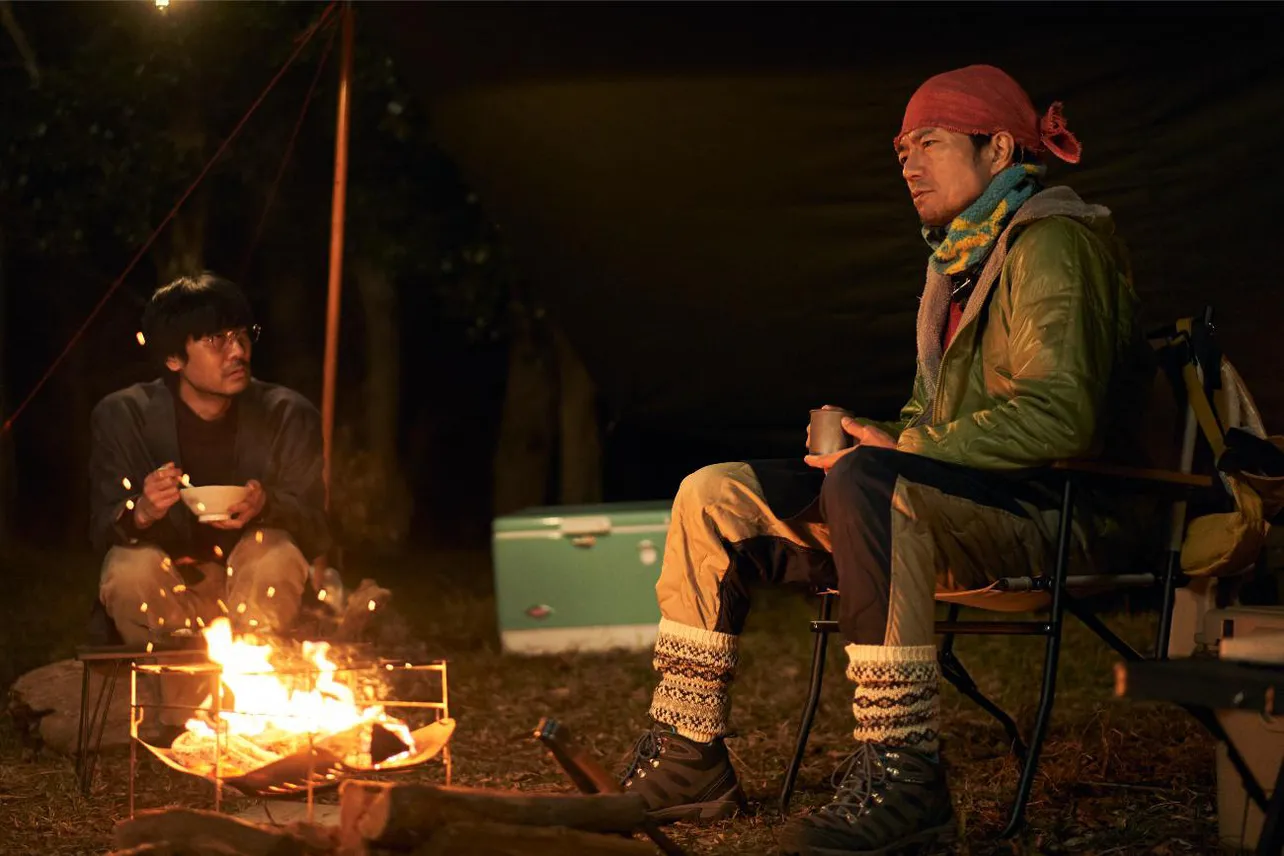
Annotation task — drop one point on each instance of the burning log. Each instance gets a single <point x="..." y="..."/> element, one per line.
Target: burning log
<point x="404" y="816"/>
<point x="509" y="839"/>
<point x="240" y="754"/>
<point x="190" y="831"/>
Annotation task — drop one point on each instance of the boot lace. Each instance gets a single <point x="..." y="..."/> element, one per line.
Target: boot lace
<point x="647" y="749"/>
<point x="856" y="780"/>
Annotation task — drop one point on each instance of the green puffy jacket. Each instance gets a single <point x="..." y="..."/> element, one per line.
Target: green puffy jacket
<point x="1048" y="359"/>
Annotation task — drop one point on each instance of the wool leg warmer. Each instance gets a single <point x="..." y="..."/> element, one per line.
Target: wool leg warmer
<point x="897" y="699"/>
<point x="696" y="669"/>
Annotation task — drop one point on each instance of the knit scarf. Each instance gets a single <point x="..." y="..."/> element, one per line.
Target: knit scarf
<point x="967" y="240"/>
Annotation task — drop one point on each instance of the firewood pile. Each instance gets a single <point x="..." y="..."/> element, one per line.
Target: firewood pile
<point x="387" y="819"/>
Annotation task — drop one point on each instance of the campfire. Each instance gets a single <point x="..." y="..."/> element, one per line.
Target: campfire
<point x="280" y="719"/>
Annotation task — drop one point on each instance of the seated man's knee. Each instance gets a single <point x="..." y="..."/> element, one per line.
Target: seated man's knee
<point x="856" y="475"/>
<point x="269" y="579"/>
<point x="704" y="487"/>
<point x="133" y="569"/>
<point x="267" y="547"/>
<point x="137" y="589"/>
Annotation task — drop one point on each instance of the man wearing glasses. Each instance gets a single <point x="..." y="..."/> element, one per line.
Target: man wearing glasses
<point x="206" y="421"/>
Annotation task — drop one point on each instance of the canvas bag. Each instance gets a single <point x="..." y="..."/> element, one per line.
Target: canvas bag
<point x="1249" y="463"/>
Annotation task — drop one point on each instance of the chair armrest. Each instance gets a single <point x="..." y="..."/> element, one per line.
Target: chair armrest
<point x="1151" y="477"/>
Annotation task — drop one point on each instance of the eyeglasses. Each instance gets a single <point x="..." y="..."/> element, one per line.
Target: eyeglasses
<point x="222" y="341"/>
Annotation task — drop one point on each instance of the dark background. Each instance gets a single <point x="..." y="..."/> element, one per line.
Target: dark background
<point x="700" y="198"/>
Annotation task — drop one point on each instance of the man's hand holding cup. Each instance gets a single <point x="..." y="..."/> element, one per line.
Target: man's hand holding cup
<point x="833" y="433"/>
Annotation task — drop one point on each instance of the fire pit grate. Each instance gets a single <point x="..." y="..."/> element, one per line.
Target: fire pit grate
<point x="313" y="760"/>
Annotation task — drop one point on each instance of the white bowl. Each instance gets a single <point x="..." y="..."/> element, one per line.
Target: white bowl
<point x="211" y="501"/>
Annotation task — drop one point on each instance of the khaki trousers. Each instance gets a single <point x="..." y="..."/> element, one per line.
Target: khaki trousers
<point x="149" y="598"/>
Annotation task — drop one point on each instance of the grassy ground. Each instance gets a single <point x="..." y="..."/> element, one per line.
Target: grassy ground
<point x="1116" y="777"/>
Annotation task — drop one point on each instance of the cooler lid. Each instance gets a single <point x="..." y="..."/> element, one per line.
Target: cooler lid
<point x="587" y="519"/>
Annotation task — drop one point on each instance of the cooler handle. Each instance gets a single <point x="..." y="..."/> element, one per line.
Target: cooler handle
<point x="595" y="525"/>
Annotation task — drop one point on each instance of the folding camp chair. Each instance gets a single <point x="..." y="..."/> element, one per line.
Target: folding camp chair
<point x="1058" y="593"/>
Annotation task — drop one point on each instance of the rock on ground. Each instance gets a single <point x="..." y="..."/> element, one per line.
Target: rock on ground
<point x="45" y="705"/>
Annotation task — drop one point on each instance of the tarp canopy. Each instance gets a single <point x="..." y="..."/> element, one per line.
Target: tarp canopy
<point x="707" y="198"/>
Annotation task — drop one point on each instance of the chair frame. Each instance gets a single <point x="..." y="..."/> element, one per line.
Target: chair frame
<point x="1060" y="586"/>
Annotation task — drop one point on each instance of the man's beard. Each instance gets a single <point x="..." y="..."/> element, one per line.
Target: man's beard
<point x="245" y="366"/>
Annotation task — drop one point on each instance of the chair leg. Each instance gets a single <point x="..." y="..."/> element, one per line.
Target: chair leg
<point x="1090" y="620"/>
<point x="87" y="760"/>
<point x="82" y="736"/>
<point x="954" y="672"/>
<point x="809" y="712"/>
<point x="947" y="641"/>
<point x="1164" y="632"/>
<point x="1053" y="652"/>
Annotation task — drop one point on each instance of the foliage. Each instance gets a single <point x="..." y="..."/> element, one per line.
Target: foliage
<point x="133" y="101"/>
<point x="130" y="105"/>
<point x="411" y="210"/>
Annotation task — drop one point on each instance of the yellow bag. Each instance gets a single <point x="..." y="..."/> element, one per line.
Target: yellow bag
<point x="1218" y="545"/>
<point x="1250" y="465"/>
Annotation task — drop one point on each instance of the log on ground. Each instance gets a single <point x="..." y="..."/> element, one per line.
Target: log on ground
<point x="485" y="838"/>
<point x="158" y="848"/>
<point x="406" y="815"/>
<point x="165" y="848"/>
<point x="188" y="830"/>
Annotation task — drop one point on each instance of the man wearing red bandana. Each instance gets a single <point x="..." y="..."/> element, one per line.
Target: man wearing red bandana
<point x="1028" y="353"/>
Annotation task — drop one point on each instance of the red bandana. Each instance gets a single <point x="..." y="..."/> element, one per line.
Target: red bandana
<point x="982" y="99"/>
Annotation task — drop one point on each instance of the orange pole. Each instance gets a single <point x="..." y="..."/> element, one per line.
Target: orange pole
<point x="337" y="207"/>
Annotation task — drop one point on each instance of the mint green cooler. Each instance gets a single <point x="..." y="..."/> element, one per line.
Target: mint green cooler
<point x="579" y="577"/>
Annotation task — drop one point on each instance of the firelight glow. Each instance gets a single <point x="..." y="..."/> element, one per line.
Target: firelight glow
<point x="271" y="708"/>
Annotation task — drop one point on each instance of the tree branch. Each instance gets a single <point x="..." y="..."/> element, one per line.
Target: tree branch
<point x="15" y="32"/>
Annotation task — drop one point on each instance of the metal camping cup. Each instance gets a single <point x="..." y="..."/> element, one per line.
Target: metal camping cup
<point x="826" y="434"/>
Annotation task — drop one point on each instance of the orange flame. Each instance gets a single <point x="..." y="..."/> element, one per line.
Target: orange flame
<point x="273" y="708"/>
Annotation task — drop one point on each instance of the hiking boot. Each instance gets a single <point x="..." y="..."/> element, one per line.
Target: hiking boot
<point x="888" y="801"/>
<point x="680" y="779"/>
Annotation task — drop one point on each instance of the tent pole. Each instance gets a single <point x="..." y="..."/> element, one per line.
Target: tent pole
<point x="337" y="207"/>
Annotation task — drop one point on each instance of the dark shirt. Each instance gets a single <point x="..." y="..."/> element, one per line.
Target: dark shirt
<point x="207" y="448"/>
<point x="207" y="455"/>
